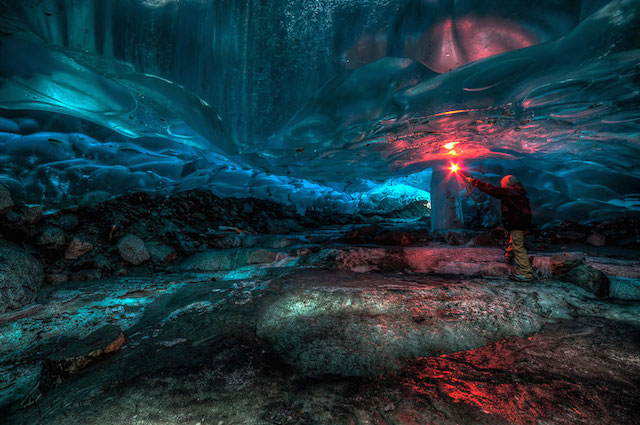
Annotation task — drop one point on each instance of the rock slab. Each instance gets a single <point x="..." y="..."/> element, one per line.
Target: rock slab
<point x="75" y="357"/>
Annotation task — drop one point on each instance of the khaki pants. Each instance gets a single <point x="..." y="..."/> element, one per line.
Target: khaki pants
<point x="517" y="251"/>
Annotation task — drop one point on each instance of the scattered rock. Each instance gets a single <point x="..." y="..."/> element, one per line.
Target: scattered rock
<point x="456" y="237"/>
<point x="57" y="278"/>
<point x="596" y="239"/>
<point x="77" y="248"/>
<point x="562" y="263"/>
<point x="227" y="241"/>
<point x="396" y="238"/>
<point x="161" y="252"/>
<point x="133" y="250"/>
<point x="13" y="217"/>
<point x="394" y="261"/>
<point x="632" y="242"/>
<point x="283" y="226"/>
<point x="618" y="229"/>
<point x="102" y="263"/>
<point x="381" y="236"/>
<point x="31" y="215"/>
<point x="589" y="279"/>
<point x="68" y="222"/>
<point x="86" y="275"/>
<point x="360" y="235"/>
<point x="541" y="268"/>
<point x="52" y="237"/>
<point x="20" y="277"/>
<point x="484" y="239"/>
<point x="570" y="236"/>
<point x="5" y="200"/>
<point x="279" y="242"/>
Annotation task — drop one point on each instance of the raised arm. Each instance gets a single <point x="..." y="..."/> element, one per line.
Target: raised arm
<point x="489" y="189"/>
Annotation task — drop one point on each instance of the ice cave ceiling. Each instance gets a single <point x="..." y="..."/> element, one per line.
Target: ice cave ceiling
<point x="321" y="103"/>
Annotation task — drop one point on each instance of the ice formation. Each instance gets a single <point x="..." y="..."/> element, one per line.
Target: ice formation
<point x="322" y="104"/>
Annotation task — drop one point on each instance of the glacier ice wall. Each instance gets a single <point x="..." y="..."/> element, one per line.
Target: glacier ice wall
<point x="315" y="102"/>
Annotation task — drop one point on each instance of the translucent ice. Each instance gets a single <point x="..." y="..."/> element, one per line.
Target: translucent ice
<point x="317" y="102"/>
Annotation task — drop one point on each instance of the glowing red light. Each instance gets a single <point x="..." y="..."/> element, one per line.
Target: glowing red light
<point x="454" y="167"/>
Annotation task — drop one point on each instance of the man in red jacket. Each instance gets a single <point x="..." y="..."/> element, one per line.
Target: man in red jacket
<point x="516" y="217"/>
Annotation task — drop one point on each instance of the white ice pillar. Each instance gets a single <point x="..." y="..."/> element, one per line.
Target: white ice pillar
<point x="445" y="189"/>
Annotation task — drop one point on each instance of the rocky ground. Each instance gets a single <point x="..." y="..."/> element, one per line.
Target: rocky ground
<point x="193" y="309"/>
<point x="322" y="347"/>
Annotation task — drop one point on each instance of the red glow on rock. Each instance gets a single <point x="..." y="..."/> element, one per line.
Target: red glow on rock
<point x="483" y="379"/>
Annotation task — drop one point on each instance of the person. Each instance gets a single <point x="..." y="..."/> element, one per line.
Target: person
<point x="516" y="218"/>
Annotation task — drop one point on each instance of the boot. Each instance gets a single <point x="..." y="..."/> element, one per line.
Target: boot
<point x="520" y="278"/>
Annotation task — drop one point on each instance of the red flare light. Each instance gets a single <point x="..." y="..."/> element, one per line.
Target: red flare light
<point x="454" y="167"/>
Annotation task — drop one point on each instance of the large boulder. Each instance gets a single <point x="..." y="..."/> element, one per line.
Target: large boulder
<point x="339" y="324"/>
<point x="572" y="268"/>
<point x="133" y="250"/>
<point x="589" y="279"/>
<point x="561" y="263"/>
<point x="20" y="277"/>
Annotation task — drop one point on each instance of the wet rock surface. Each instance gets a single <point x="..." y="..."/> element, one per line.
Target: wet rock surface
<point x="219" y="352"/>
<point x="337" y="323"/>
<point x="351" y="326"/>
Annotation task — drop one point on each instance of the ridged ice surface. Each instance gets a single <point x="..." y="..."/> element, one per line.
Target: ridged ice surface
<point x="315" y="102"/>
